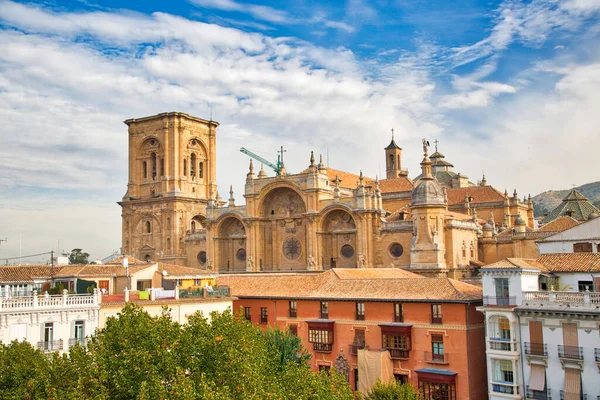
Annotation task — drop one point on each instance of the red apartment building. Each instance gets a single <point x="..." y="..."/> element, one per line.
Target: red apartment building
<point x="430" y="326"/>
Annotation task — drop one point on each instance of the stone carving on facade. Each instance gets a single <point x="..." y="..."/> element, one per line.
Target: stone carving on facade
<point x="312" y="264"/>
<point x="209" y="265"/>
<point x="342" y="366"/>
<point x="249" y="264"/>
<point x="361" y="261"/>
<point x="341" y="221"/>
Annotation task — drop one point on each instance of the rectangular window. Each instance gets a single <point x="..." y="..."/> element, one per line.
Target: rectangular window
<point x="360" y="311"/>
<point x="437" y="348"/>
<point x="263" y="315"/>
<point x="436" y="390"/>
<point x="321" y="337"/>
<point x="179" y="282"/>
<point x="582" y="247"/>
<point x="359" y="341"/>
<point x="294" y="330"/>
<point x="196" y="282"/>
<point x="248" y="313"/>
<point x="398" y="313"/>
<point x="436" y="313"/>
<point x="79" y="330"/>
<point x="503" y="377"/>
<point x="355" y="379"/>
<point x="585" y="285"/>
<point x="324" y="310"/>
<point x="293" y="309"/>
<point x="325" y="368"/>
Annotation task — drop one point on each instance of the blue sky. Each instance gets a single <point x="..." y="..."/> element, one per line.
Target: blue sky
<point x="509" y="88"/>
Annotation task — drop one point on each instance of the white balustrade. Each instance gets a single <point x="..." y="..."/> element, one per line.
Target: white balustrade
<point x="36" y="301"/>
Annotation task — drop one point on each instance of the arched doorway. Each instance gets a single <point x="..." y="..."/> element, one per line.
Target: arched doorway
<point x="338" y="240"/>
<point x="231" y="245"/>
<point x="282" y="245"/>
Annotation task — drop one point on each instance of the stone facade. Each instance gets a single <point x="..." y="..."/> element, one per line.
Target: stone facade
<point x="317" y="219"/>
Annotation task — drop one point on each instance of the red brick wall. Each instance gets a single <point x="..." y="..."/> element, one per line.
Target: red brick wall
<point x="468" y="363"/>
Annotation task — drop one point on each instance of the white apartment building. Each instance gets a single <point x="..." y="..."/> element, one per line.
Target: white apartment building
<point x="49" y="323"/>
<point x="541" y="343"/>
<point x="581" y="238"/>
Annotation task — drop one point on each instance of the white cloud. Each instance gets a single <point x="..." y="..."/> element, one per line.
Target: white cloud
<point x="68" y="80"/>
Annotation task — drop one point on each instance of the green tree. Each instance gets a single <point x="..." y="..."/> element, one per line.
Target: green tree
<point x="24" y="372"/>
<point x="392" y="391"/>
<point x="77" y="256"/>
<point x="288" y="346"/>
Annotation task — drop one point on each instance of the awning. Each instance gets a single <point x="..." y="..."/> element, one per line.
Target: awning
<point x="572" y="384"/>
<point x="538" y="377"/>
<point x="435" y="375"/>
<point x="396" y="329"/>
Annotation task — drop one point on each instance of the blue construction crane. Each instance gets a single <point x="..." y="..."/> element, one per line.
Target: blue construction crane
<point x="275" y="167"/>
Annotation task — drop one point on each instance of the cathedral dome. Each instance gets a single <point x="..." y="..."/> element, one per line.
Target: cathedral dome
<point x="428" y="192"/>
<point x="487" y="227"/>
<point x="520" y="221"/>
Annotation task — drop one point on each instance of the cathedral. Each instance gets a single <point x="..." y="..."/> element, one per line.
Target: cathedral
<point x="437" y="224"/>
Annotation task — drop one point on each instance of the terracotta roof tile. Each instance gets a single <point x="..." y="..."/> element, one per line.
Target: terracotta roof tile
<point x="576" y="204"/>
<point x="517" y="263"/>
<point x="25" y="273"/>
<point x="402" y="184"/>
<point x="559" y="224"/>
<point x="380" y="284"/>
<point x="480" y="194"/>
<point x="179" y="271"/>
<point x="571" y="262"/>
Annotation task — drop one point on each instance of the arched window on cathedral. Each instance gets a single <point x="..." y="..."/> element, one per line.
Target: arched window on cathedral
<point x="193" y="226"/>
<point x="391" y="161"/>
<point x="201" y="170"/>
<point x="184" y="167"/>
<point x="145" y="169"/>
<point x="398" y="162"/>
<point x="153" y="157"/>
<point x="148" y="227"/>
<point x="193" y="165"/>
<point x="169" y="251"/>
<point x="162" y="167"/>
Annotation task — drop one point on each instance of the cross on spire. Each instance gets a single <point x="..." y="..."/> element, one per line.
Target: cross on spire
<point x="392" y="133"/>
<point x="436" y="143"/>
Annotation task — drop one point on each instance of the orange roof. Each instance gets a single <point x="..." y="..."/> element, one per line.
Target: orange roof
<point x="559" y="224"/>
<point x="517" y="263"/>
<point x="480" y="194"/>
<point x="130" y="260"/>
<point x="402" y="184"/>
<point x="349" y="284"/>
<point x="179" y="271"/>
<point x="25" y="273"/>
<point x="99" y="270"/>
<point x="571" y="262"/>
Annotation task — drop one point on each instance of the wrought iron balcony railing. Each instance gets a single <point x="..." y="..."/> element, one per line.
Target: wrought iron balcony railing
<point x="502" y="344"/>
<point x="505" y="387"/>
<point x="322" y="347"/>
<point x="398" y="354"/>
<point x="49" y="346"/>
<point x="538" y="394"/>
<point x="566" y="395"/>
<point x="570" y="352"/>
<point x="353" y="348"/>
<point x="77" y="341"/>
<point x="536" y="349"/>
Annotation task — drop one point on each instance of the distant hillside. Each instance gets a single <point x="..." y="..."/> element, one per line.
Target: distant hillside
<point x="547" y="201"/>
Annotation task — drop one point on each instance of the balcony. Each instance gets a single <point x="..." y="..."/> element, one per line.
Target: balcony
<point x="50" y="346"/>
<point x="353" y="348"/>
<point x="536" y="349"/>
<point x="433" y="358"/>
<point x="561" y="300"/>
<point x="398" y="318"/>
<point x="538" y="395"/>
<point x="597" y="354"/>
<point x="322" y="347"/>
<point x="502" y="344"/>
<point x="566" y="395"/>
<point x="77" y="341"/>
<point x="324" y="314"/>
<point x="293" y="313"/>
<point x="570" y="352"/>
<point x="499" y="301"/>
<point x="436" y="320"/>
<point x="505" y="387"/>
<point x="398" y="354"/>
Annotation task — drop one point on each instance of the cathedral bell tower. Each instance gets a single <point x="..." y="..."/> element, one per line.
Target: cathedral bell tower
<point x="428" y="205"/>
<point x="172" y="174"/>
<point x="393" y="160"/>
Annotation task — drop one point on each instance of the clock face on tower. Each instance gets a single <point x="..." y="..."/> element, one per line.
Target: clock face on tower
<point x="292" y="248"/>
